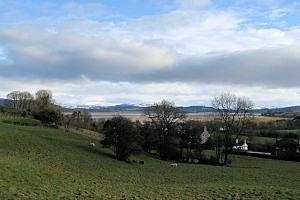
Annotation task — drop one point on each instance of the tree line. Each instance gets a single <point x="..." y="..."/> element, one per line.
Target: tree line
<point x="167" y="133"/>
<point x="41" y="107"/>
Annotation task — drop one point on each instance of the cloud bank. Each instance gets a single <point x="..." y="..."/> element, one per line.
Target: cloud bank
<point x="187" y="51"/>
<point x="43" y="54"/>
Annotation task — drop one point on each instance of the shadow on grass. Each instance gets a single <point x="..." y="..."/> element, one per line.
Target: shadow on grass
<point x="246" y="167"/>
<point x="151" y="154"/>
<point x="84" y="147"/>
<point x="94" y="150"/>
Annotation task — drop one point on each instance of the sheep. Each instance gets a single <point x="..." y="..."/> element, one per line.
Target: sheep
<point x="174" y="165"/>
<point x="141" y="162"/>
<point x="92" y="144"/>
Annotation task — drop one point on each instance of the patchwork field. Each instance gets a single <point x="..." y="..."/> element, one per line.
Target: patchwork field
<point x="46" y="163"/>
<point x="255" y="119"/>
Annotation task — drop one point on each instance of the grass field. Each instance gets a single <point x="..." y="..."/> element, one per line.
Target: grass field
<point x="255" y="119"/>
<point x="20" y="120"/>
<point x="260" y="140"/>
<point x="45" y="163"/>
<point x="290" y="131"/>
<point x="267" y="119"/>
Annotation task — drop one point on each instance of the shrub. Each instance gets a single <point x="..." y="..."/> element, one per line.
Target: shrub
<point x="121" y="134"/>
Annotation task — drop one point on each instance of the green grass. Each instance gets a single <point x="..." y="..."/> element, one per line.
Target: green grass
<point x="43" y="163"/>
<point x="259" y="140"/>
<point x="290" y="131"/>
<point x="20" y="121"/>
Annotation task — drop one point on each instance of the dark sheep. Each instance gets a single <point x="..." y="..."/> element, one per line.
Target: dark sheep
<point x="141" y="162"/>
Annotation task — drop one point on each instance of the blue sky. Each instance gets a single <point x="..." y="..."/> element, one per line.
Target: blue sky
<point x="111" y="52"/>
<point x="26" y="11"/>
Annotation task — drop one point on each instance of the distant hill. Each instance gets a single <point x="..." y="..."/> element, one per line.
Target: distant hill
<point x="290" y="112"/>
<point x="121" y="107"/>
<point x="130" y="107"/>
<point x="197" y="109"/>
<point x="284" y="109"/>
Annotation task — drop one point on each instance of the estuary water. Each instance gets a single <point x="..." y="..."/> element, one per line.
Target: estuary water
<point x="140" y="115"/>
<point x="108" y="115"/>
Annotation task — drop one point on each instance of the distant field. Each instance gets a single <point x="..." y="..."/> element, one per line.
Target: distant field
<point x="290" y="131"/>
<point x="204" y="119"/>
<point x="260" y="140"/>
<point x="45" y="163"/>
<point x="266" y="119"/>
<point x="255" y="119"/>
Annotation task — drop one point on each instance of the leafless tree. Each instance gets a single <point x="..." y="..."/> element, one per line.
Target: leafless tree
<point x="234" y="113"/>
<point x="13" y="99"/>
<point x="19" y="100"/>
<point x="165" y="116"/>
<point x="44" y="97"/>
<point x="26" y="100"/>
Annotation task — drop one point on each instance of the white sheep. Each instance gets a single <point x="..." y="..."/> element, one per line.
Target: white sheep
<point x="92" y="144"/>
<point x="174" y="165"/>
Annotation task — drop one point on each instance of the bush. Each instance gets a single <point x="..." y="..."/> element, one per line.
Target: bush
<point x="48" y="115"/>
<point x="121" y="134"/>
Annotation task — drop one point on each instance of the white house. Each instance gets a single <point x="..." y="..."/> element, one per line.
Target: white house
<point x="241" y="147"/>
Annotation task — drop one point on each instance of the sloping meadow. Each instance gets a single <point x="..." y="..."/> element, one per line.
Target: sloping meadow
<point x="46" y="163"/>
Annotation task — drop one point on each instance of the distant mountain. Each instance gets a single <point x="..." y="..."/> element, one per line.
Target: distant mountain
<point x="122" y="107"/>
<point x="132" y="107"/>
<point x="197" y="109"/>
<point x="283" y="109"/>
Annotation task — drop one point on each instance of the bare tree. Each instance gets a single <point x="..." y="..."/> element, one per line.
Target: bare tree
<point x="19" y="100"/>
<point x="44" y="97"/>
<point x="234" y="113"/>
<point x="26" y="100"/>
<point x="165" y="116"/>
<point x="13" y="99"/>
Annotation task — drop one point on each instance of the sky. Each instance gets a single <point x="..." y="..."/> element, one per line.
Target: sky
<point x="108" y="52"/>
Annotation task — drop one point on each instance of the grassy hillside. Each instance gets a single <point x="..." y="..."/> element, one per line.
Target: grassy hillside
<point x="44" y="163"/>
<point x="20" y="121"/>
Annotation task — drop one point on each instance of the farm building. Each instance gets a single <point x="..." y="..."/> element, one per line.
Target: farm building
<point x="243" y="147"/>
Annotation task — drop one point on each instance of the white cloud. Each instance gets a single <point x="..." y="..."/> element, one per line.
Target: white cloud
<point x="278" y="13"/>
<point x="152" y="49"/>
<point x="198" y="33"/>
<point x="109" y="93"/>
<point x="186" y="55"/>
<point x="50" y="55"/>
